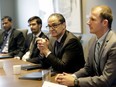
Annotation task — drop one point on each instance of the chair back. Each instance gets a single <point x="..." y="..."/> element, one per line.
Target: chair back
<point x="24" y="31"/>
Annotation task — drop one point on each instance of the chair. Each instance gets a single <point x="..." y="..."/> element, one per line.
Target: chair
<point x="24" y="31"/>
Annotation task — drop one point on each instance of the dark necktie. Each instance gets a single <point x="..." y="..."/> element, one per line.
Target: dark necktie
<point x="5" y="36"/>
<point x="4" y="40"/>
<point x="57" y="47"/>
<point x="32" y="45"/>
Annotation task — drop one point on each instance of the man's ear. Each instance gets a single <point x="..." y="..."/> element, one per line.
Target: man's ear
<point x="64" y="25"/>
<point x="105" y="22"/>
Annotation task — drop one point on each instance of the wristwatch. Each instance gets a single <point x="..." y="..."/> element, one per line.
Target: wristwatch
<point x="76" y="83"/>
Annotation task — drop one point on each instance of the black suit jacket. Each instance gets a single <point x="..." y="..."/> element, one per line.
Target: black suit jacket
<point x="34" y="58"/>
<point x="70" y="57"/>
<point x="16" y="41"/>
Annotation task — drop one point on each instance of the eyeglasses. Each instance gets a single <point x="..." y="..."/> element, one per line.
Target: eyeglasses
<point x="53" y="26"/>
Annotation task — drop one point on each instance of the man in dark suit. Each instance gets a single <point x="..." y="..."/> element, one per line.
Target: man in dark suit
<point x="65" y="53"/>
<point x="30" y="52"/>
<point x="11" y="40"/>
<point x="100" y="68"/>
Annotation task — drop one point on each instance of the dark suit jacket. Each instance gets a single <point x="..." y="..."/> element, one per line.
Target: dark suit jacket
<point x="107" y="65"/>
<point x="16" y="41"/>
<point x="34" y="58"/>
<point x="70" y="56"/>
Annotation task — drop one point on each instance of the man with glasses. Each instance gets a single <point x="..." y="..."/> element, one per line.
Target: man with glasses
<point x="63" y="51"/>
<point x="30" y="52"/>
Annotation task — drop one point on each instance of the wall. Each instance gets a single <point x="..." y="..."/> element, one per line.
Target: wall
<point x="7" y="8"/>
<point x="0" y="14"/>
<point x="24" y="9"/>
<point x="86" y="7"/>
<point x="72" y="12"/>
<point x="88" y="4"/>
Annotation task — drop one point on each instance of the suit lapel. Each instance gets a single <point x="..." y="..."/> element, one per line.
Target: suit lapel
<point x="41" y="34"/>
<point x="62" y="43"/>
<point x="65" y="38"/>
<point x="2" y="38"/>
<point x="35" y="44"/>
<point x="30" y="39"/>
<point x="105" y="43"/>
<point x="102" y="50"/>
<point x="35" y="50"/>
<point x="11" y="37"/>
<point x="52" y="45"/>
<point x="92" y="51"/>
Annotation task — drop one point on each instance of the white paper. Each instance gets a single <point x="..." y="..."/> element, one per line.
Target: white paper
<point x="50" y="84"/>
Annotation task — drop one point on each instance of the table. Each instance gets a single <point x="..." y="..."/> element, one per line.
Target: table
<point x="8" y="79"/>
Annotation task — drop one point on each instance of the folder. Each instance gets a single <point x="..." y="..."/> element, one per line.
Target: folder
<point x="30" y="67"/>
<point x="5" y="56"/>
<point x="32" y="76"/>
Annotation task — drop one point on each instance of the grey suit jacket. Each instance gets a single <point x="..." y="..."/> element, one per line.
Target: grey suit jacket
<point x="16" y="41"/>
<point x="107" y="65"/>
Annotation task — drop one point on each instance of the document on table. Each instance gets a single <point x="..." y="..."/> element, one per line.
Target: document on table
<point x="50" y="84"/>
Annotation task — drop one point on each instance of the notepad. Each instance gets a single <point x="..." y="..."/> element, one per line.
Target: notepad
<point x="5" y="56"/>
<point x="30" y="67"/>
<point x="51" y="84"/>
<point x="32" y="76"/>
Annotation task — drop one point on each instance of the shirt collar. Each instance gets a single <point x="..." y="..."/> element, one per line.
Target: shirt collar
<point x="100" y="40"/>
<point x="59" y="40"/>
<point x="37" y="34"/>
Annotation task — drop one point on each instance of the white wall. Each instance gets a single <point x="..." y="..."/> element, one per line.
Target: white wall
<point x="7" y="9"/>
<point x="24" y="9"/>
<point x="88" y="4"/>
<point x="86" y="7"/>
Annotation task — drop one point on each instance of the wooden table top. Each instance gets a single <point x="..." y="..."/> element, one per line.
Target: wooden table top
<point x="8" y="79"/>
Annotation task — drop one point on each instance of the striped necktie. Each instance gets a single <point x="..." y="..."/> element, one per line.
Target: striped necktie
<point x="97" y="52"/>
<point x="32" y="45"/>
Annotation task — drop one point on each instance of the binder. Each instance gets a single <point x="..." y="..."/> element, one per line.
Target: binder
<point x="31" y="67"/>
<point x="32" y="76"/>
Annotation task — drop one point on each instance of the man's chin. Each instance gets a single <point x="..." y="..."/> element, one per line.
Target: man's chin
<point x="53" y="35"/>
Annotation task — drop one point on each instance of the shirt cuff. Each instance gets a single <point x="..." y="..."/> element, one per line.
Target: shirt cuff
<point x="73" y="75"/>
<point x="16" y="57"/>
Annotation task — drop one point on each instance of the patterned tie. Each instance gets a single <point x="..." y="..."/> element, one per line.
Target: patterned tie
<point x="97" y="50"/>
<point x="32" y="45"/>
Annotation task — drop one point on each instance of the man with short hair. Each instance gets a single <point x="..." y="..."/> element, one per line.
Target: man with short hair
<point x="11" y="40"/>
<point x="100" y="67"/>
<point x="64" y="51"/>
<point x="30" y="52"/>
